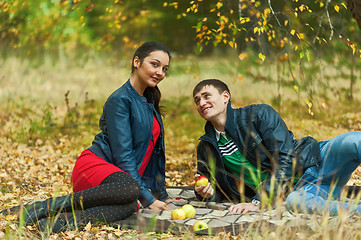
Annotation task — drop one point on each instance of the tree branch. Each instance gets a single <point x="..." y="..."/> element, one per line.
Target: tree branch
<point x="329" y="19"/>
<point x="273" y="12"/>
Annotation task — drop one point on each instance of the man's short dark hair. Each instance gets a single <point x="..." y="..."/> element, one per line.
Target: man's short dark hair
<point x="218" y="84"/>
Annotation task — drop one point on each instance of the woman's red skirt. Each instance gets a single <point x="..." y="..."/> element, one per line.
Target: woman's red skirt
<point x="90" y="170"/>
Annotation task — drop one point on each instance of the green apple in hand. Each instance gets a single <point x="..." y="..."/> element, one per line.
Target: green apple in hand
<point x="199" y="225"/>
<point x="201" y="180"/>
<point x="189" y="210"/>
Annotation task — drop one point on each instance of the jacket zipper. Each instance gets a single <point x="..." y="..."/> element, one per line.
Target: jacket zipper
<point x="224" y="169"/>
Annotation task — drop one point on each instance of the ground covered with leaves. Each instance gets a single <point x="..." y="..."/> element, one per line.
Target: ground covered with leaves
<point x="43" y="128"/>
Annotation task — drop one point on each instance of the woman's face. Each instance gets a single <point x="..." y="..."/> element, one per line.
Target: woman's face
<point x="152" y="70"/>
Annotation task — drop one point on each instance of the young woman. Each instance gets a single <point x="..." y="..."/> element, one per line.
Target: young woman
<point x="126" y="161"/>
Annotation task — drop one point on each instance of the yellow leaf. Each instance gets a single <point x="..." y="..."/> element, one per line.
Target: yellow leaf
<point x="261" y="56"/>
<point x="337" y="8"/>
<point x="219" y="5"/>
<point x="11" y="217"/>
<point x="88" y="227"/>
<point x="293" y="32"/>
<point x="242" y="56"/>
<point x="296" y="88"/>
<point x="344" y="5"/>
<point x="286" y="22"/>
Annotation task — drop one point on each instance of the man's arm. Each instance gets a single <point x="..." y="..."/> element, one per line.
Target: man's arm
<point x="203" y="192"/>
<point x="277" y="142"/>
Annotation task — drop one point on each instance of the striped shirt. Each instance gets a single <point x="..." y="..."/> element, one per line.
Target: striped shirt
<point x="236" y="163"/>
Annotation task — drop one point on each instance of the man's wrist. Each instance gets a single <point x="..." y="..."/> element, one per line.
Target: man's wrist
<point x="256" y="202"/>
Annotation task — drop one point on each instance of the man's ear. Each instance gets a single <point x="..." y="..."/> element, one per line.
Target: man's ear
<point x="226" y="96"/>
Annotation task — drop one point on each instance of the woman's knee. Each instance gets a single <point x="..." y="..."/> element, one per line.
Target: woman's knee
<point x="136" y="188"/>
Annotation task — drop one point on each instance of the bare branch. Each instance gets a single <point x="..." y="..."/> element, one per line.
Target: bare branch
<point x="329" y="19"/>
<point x="273" y="12"/>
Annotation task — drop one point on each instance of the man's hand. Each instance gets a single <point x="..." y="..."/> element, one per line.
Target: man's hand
<point x="158" y="205"/>
<point x="205" y="191"/>
<point x="243" y="208"/>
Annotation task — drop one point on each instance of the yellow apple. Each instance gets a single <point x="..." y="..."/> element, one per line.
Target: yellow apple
<point x="189" y="210"/>
<point x="199" y="225"/>
<point x="178" y="214"/>
<point x="201" y="180"/>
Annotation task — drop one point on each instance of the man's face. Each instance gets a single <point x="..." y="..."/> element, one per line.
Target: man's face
<point x="210" y="103"/>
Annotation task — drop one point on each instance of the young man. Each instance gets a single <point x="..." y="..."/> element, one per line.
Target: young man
<point x="250" y="154"/>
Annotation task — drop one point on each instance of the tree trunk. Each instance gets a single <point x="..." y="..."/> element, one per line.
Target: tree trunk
<point x="354" y="6"/>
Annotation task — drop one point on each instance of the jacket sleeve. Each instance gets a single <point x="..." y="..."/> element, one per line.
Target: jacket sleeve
<point x="119" y="132"/>
<point x="277" y="143"/>
<point x="203" y="168"/>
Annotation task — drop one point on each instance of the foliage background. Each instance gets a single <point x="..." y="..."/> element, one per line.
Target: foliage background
<point x="60" y="60"/>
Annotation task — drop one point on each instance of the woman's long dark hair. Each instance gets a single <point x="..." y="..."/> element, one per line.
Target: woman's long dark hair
<point x="152" y="94"/>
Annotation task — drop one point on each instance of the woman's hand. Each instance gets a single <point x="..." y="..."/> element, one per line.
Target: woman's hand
<point x="176" y="200"/>
<point x="243" y="208"/>
<point x="205" y="191"/>
<point x="158" y="205"/>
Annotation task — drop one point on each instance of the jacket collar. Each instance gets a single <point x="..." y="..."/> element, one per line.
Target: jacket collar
<point x="219" y="134"/>
<point x="134" y="92"/>
<point x="230" y="127"/>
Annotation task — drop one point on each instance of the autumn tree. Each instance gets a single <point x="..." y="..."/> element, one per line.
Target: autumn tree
<point x="112" y="26"/>
<point x="279" y="29"/>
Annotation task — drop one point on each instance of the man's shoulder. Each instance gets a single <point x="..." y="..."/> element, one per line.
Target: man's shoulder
<point x="255" y="110"/>
<point x="258" y="107"/>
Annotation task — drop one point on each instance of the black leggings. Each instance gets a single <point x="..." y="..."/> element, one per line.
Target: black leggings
<point x="114" y="199"/>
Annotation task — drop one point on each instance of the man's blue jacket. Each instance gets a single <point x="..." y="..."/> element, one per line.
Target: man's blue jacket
<point x="126" y="130"/>
<point x="265" y="141"/>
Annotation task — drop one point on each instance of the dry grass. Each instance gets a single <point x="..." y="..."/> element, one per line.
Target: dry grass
<point x="33" y="111"/>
